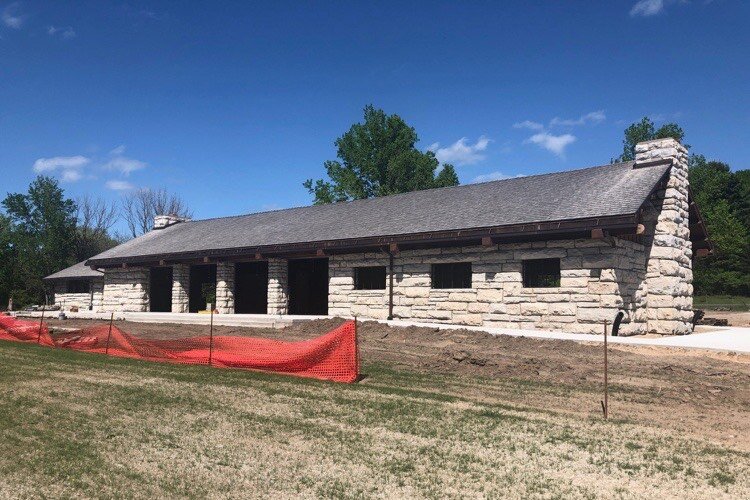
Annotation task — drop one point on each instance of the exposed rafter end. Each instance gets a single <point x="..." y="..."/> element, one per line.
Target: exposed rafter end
<point x="393" y="247"/>
<point x="597" y="233"/>
<point x="487" y="241"/>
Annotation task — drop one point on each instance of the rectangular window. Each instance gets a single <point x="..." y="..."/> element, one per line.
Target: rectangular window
<point x="78" y="286"/>
<point x="369" y="278"/>
<point x="453" y="275"/>
<point x="542" y="273"/>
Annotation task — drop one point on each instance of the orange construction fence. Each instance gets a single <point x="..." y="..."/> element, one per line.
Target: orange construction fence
<point x="332" y="356"/>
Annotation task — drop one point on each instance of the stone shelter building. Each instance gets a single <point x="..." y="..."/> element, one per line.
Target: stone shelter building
<point x="77" y="286"/>
<point x="562" y="251"/>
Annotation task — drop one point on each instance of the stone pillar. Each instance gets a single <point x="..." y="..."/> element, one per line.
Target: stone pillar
<point x="225" y="287"/>
<point x="125" y="289"/>
<point x="669" y="272"/>
<point x="278" y="294"/>
<point x="180" y="288"/>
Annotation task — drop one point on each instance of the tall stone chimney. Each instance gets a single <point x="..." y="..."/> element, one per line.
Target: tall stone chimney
<point x="162" y="221"/>
<point x="669" y="269"/>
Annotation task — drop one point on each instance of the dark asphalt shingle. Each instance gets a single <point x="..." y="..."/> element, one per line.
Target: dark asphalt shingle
<point x="80" y="270"/>
<point x="616" y="189"/>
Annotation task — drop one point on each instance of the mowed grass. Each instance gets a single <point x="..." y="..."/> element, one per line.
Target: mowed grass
<point x="728" y="302"/>
<point x="80" y="425"/>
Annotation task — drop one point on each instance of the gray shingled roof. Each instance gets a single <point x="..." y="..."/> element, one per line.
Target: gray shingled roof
<point x="76" y="271"/>
<point x="609" y="190"/>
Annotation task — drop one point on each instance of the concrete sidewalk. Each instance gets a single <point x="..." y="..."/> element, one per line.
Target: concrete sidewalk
<point x="729" y="339"/>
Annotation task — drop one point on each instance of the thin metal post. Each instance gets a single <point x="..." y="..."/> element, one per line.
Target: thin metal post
<point x="211" y="339"/>
<point x="109" y="335"/>
<point x="606" y="375"/>
<point x="356" y="346"/>
<point x="41" y="322"/>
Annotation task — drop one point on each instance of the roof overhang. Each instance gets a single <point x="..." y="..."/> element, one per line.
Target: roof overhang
<point x="564" y="229"/>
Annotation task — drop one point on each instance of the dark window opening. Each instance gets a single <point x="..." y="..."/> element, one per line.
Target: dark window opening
<point x="160" y="289"/>
<point x="369" y="278"/>
<point x="308" y="286"/>
<point x="453" y="275"/>
<point x="202" y="287"/>
<point x="78" y="286"/>
<point x="541" y="273"/>
<point x="251" y="288"/>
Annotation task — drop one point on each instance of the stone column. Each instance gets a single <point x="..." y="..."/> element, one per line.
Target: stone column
<point x="126" y="289"/>
<point x="225" y="287"/>
<point x="669" y="272"/>
<point x="278" y="294"/>
<point x="180" y="288"/>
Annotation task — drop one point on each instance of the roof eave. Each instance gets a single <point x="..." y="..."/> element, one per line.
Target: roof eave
<point x="505" y="233"/>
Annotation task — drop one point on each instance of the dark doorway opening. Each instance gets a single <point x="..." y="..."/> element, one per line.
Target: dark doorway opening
<point x="251" y="287"/>
<point x="160" y="289"/>
<point x="202" y="287"/>
<point x="308" y="286"/>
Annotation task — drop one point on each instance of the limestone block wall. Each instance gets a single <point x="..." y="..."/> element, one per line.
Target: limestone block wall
<point x="180" y="288"/>
<point x="80" y="300"/>
<point x="126" y="289"/>
<point x="598" y="278"/>
<point x="278" y="291"/>
<point x="225" y="287"/>
<point x="669" y="277"/>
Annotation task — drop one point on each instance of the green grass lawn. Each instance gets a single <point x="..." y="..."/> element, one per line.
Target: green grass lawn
<point x="80" y="425"/>
<point x="731" y="302"/>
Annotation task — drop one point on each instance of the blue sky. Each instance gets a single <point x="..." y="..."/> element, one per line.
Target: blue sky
<point x="234" y="104"/>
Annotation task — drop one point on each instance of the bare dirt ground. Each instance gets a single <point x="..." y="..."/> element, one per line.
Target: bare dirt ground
<point x="734" y="318"/>
<point x="700" y="394"/>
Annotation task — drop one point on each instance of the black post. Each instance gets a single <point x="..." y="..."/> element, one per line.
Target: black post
<point x="109" y="335"/>
<point x="606" y="375"/>
<point x="41" y="322"/>
<point x="211" y="339"/>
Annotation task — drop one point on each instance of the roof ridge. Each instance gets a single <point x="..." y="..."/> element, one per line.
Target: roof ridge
<point x="404" y="194"/>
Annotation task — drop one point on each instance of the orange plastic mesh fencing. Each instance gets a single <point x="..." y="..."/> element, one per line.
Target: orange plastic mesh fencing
<point x="24" y="331"/>
<point x="332" y="356"/>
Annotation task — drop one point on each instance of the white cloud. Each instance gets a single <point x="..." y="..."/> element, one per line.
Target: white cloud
<point x="11" y="17"/>
<point x="124" y="165"/>
<point x="66" y="32"/>
<point x="554" y="143"/>
<point x="647" y="8"/>
<point x="494" y="176"/>
<point x="70" y="167"/>
<point x="461" y="152"/>
<point x="119" y="150"/>
<point x="119" y="185"/>
<point x="594" y="117"/>
<point x="529" y="125"/>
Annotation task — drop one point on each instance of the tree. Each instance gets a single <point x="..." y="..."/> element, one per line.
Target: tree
<point x="95" y="217"/>
<point x="646" y="131"/>
<point x="139" y="208"/>
<point x="41" y="228"/>
<point x="377" y="158"/>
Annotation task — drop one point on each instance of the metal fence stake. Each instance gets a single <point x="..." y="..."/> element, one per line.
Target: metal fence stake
<point x="109" y="335"/>
<point x="605" y="404"/>
<point x="41" y="322"/>
<point x="211" y="339"/>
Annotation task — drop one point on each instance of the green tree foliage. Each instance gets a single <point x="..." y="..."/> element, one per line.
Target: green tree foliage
<point x="723" y="197"/>
<point x="645" y="130"/>
<point x="377" y="158"/>
<point x="40" y="228"/>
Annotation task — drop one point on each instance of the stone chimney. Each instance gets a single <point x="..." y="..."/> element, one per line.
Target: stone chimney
<point x="162" y="221"/>
<point x="669" y="270"/>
